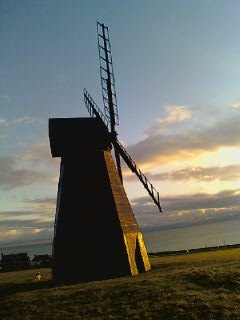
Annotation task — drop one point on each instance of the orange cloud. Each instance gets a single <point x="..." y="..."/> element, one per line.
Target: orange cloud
<point x="174" y="114"/>
<point x="226" y="173"/>
<point x="236" y="105"/>
<point x="157" y="149"/>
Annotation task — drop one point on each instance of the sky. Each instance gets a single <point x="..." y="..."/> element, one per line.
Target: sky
<point x="177" y="71"/>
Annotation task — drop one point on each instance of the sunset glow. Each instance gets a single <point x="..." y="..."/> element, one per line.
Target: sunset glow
<point x="177" y="83"/>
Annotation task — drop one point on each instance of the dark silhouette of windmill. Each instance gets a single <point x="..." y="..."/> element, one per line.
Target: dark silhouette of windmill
<point x="96" y="233"/>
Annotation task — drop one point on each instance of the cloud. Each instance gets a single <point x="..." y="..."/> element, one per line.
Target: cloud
<point x="34" y="216"/>
<point x="162" y="148"/>
<point x="35" y="210"/>
<point x="12" y="177"/>
<point x="186" y="210"/>
<point x="12" y="214"/>
<point x="42" y="201"/>
<point x="236" y="105"/>
<point x="23" y="224"/>
<point x="29" y="213"/>
<point x="26" y="120"/>
<point x="4" y="98"/>
<point x="25" y="235"/>
<point x="179" y="211"/>
<point x="199" y="201"/>
<point x="26" y="225"/>
<point x="226" y="173"/>
<point x="35" y="166"/>
<point x="174" y="114"/>
<point x="40" y="205"/>
<point x="2" y="121"/>
<point x="41" y="153"/>
<point x="35" y="222"/>
<point x="223" y="199"/>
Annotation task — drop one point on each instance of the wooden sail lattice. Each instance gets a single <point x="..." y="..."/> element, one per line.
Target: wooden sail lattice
<point x="95" y="111"/>
<point x="107" y="74"/>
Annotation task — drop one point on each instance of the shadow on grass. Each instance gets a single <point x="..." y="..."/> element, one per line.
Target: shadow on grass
<point x="11" y="288"/>
<point x="214" y="280"/>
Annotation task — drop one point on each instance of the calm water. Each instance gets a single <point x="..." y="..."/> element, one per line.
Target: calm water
<point x="207" y="235"/>
<point x="214" y="234"/>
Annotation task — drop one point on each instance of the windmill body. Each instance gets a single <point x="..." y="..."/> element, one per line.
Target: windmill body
<point x="96" y="234"/>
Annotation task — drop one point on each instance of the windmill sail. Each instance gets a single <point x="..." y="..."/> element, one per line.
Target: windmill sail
<point x="107" y="75"/>
<point x="95" y="111"/>
<point x="108" y="86"/>
<point x="134" y="168"/>
<point x="93" y="108"/>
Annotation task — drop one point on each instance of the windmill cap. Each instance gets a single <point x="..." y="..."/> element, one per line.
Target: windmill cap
<point x="70" y="136"/>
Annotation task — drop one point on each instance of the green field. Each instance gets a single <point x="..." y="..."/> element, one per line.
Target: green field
<point x="193" y="286"/>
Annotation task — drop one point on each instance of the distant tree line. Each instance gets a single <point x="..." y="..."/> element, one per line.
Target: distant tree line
<point x="21" y="261"/>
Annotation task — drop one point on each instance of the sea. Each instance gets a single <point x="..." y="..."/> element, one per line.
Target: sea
<point x="184" y="238"/>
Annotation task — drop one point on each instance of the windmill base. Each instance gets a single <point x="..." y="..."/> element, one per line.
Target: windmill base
<point x="96" y="234"/>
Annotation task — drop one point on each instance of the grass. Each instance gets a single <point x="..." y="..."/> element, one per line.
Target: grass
<point x="188" y="287"/>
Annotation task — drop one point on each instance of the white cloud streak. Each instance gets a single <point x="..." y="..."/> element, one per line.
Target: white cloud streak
<point x="26" y="120"/>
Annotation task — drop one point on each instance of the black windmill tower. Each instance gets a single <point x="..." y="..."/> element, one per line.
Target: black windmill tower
<point x="96" y="234"/>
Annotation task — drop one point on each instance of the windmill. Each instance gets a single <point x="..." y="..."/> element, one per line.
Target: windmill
<point x="96" y="234"/>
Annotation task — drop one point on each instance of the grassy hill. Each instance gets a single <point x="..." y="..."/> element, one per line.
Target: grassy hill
<point x="193" y="286"/>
